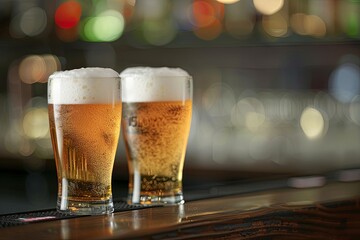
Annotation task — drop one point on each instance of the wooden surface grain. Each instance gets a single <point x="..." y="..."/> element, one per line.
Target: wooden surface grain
<point x="329" y="212"/>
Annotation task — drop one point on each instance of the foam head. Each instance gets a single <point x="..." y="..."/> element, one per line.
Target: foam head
<point x="146" y="84"/>
<point x="84" y="85"/>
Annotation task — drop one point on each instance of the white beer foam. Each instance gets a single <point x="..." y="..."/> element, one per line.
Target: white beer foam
<point x="90" y="72"/>
<point x="84" y="85"/>
<point x="147" y="84"/>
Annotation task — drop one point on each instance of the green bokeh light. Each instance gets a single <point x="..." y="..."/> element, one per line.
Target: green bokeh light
<point x="106" y="27"/>
<point x="353" y="25"/>
<point x="159" y="32"/>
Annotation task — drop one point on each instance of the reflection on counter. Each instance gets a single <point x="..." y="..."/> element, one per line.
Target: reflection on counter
<point x="315" y="213"/>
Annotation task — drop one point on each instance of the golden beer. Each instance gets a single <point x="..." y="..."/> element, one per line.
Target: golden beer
<point x="157" y="109"/>
<point x="156" y="135"/>
<point x="84" y="108"/>
<point x="88" y="136"/>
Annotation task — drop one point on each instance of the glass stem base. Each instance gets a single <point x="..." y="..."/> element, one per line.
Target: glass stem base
<point x="152" y="200"/>
<point x="85" y="208"/>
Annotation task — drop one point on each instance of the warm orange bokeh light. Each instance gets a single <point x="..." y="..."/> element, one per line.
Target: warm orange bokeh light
<point x="68" y="34"/>
<point x="209" y="32"/>
<point x="207" y="19"/>
<point x="206" y="12"/>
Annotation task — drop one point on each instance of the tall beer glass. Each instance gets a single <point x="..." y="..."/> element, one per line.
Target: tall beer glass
<point x="85" y="118"/>
<point x="157" y="108"/>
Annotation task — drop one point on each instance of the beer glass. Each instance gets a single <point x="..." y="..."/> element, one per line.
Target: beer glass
<point x="157" y="108"/>
<point x="85" y="118"/>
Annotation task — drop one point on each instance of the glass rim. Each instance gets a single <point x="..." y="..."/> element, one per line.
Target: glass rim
<point x="76" y="78"/>
<point x="135" y="76"/>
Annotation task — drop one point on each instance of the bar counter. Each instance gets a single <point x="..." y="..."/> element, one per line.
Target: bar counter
<point x="331" y="211"/>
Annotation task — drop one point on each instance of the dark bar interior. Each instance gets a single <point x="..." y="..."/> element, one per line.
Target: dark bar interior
<point x="276" y="97"/>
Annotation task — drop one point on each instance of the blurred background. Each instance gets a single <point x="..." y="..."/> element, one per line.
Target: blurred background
<point x="276" y="83"/>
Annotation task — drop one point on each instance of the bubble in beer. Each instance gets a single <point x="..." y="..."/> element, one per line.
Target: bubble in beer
<point x="147" y="84"/>
<point x="84" y="85"/>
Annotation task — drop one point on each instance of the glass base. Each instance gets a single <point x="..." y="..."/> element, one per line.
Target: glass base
<point x="151" y="200"/>
<point x="85" y="208"/>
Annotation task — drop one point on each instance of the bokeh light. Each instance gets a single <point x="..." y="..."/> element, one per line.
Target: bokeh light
<point x="312" y="123"/>
<point x="288" y="107"/>
<point x="36" y="123"/>
<point x="248" y="113"/>
<point x="239" y="118"/>
<point x="344" y="82"/>
<point x="209" y="32"/>
<point x="28" y="134"/>
<point x="19" y="145"/>
<point x="275" y="25"/>
<point x="297" y="22"/>
<point x="311" y="25"/>
<point x="354" y="110"/>
<point x="68" y="14"/>
<point x="31" y="22"/>
<point x="159" y="32"/>
<point x="349" y="18"/>
<point x="32" y="69"/>
<point x="227" y="1"/>
<point x="268" y="7"/>
<point x="239" y="19"/>
<point x="37" y="68"/>
<point x="325" y="102"/>
<point x="315" y="26"/>
<point x="128" y="10"/>
<point x="68" y="34"/>
<point x="52" y="64"/>
<point x="204" y="13"/>
<point x="206" y="18"/>
<point x="108" y="26"/>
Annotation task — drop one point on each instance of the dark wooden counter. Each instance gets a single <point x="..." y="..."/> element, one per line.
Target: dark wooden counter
<point x="328" y="212"/>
